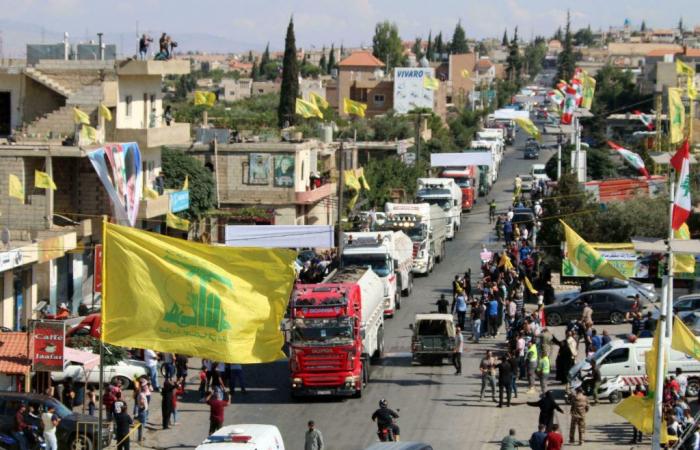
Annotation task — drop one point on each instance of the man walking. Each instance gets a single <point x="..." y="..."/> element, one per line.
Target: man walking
<point x="543" y="368"/>
<point x="216" y="411"/>
<point x="579" y="408"/>
<point x="50" y="420"/>
<point x="487" y="367"/>
<point x="457" y="351"/>
<point x="313" y="439"/>
<point x="122" y="422"/>
<point x="460" y="305"/>
<point x="505" y="380"/>
<point x="477" y="311"/>
<point x="236" y="375"/>
<point x="442" y="304"/>
<point x="493" y="317"/>
<point x="151" y="359"/>
<point x="166" y="406"/>
<point x="531" y="357"/>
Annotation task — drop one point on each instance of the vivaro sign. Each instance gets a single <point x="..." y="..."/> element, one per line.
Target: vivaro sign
<point x="409" y="89"/>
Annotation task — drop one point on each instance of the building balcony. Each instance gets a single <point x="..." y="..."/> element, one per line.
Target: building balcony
<point x="152" y="67"/>
<point x="315" y="195"/>
<point x="156" y="207"/>
<point x="176" y="133"/>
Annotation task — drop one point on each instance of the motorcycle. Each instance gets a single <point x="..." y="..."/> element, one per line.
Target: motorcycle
<point x="34" y="438"/>
<point x="386" y="433"/>
<point x="611" y="388"/>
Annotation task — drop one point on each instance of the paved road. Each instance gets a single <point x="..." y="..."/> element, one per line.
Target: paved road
<point x="436" y="406"/>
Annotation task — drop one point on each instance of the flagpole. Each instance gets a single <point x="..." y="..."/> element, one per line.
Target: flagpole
<point x="669" y="286"/>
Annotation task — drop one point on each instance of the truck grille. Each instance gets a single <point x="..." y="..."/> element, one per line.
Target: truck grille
<point x="323" y="362"/>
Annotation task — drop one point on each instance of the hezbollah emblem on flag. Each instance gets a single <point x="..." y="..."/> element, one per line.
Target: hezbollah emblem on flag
<point x="585" y="254"/>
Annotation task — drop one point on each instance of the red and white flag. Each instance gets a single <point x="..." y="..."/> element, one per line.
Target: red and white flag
<point x="681" y="204"/>
<point x="631" y="157"/>
<point x="578" y="86"/>
<point x="567" y="114"/>
<point x="646" y="120"/>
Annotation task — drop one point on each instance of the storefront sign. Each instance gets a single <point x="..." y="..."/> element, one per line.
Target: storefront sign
<point x="48" y="338"/>
<point x="10" y="259"/>
<point x="179" y="201"/>
<point x="97" y="275"/>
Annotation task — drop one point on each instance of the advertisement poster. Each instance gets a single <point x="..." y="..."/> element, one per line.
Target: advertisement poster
<point x="409" y="89"/>
<point x="97" y="275"/>
<point x="48" y="338"/>
<point x="621" y="256"/>
<point x="259" y="168"/>
<point x="284" y="171"/>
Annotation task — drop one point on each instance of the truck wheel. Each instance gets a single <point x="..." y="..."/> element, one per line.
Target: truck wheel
<point x="397" y="300"/>
<point x="616" y="317"/>
<point x="693" y="387"/>
<point x="615" y="397"/>
<point x="553" y="319"/>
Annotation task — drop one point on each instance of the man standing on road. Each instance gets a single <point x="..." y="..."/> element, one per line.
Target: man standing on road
<point x="166" y="406"/>
<point x="538" y="438"/>
<point x="595" y="375"/>
<point x="442" y="304"/>
<point x="122" y="422"/>
<point x="531" y="357"/>
<point x="505" y="380"/>
<point x="487" y="367"/>
<point x="587" y="315"/>
<point x="492" y="210"/>
<point x="314" y="438"/>
<point x="457" y="352"/>
<point x="579" y="408"/>
<point x="460" y="305"/>
<point x="493" y="316"/>
<point x="543" y="368"/>
<point x="216" y="411"/>
<point x="554" y="439"/>
<point x="151" y="359"/>
<point x="477" y="311"/>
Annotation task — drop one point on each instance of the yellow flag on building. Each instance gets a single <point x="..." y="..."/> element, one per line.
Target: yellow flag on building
<point x="318" y="100"/>
<point x="88" y="133"/>
<point x="684" y="340"/>
<point x="676" y="115"/>
<point x="529" y="286"/>
<point x="354" y="108"/>
<point x="683" y="263"/>
<point x="464" y="73"/>
<point x="186" y="183"/>
<point x="16" y="188"/>
<point x="204" y="98"/>
<point x="360" y="175"/>
<point x="173" y="221"/>
<point x="692" y="91"/>
<point x="529" y="127"/>
<point x="588" y="84"/>
<point x="307" y="109"/>
<point x="80" y="116"/>
<point x="105" y="112"/>
<point x="684" y="69"/>
<point x="150" y="193"/>
<point x="586" y="258"/>
<point x="431" y="83"/>
<point x="43" y="180"/>
<point x="184" y="297"/>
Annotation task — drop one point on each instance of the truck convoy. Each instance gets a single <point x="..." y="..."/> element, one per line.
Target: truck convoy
<point x="426" y="225"/>
<point x="390" y="255"/>
<point x="467" y="178"/>
<point x="445" y="193"/>
<point x="337" y="326"/>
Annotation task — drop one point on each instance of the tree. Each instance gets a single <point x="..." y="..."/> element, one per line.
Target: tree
<point x="584" y="37"/>
<point x="558" y="35"/>
<point x="184" y="85"/>
<point x="176" y="166"/>
<point x="323" y="62"/>
<point x="386" y="45"/>
<point x="265" y="58"/>
<point x="567" y="58"/>
<point x="331" y="60"/>
<point x="535" y="52"/>
<point x="643" y="27"/>
<point x="680" y="26"/>
<point x="482" y="49"/>
<point x="439" y="47"/>
<point x="112" y="354"/>
<point x="459" y="45"/>
<point x="255" y="71"/>
<point x="429" y="53"/>
<point x="389" y="173"/>
<point x="289" y="91"/>
<point x="514" y="62"/>
<point x="417" y="48"/>
<point x="250" y="56"/>
<point x="308" y="70"/>
<point x="342" y="51"/>
<point x="504" y="41"/>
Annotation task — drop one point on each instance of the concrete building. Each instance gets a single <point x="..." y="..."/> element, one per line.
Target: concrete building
<point x="231" y="90"/>
<point x="52" y="234"/>
<point x="361" y="78"/>
<point x="292" y="181"/>
<point x="265" y="87"/>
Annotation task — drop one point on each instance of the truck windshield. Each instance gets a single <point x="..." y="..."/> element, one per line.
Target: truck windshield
<point x="322" y="331"/>
<point x="416" y="234"/>
<point x="443" y="203"/>
<point x="378" y="263"/>
<point x="463" y="182"/>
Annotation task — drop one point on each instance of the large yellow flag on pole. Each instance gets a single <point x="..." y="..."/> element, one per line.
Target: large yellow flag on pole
<point x="179" y="296"/>
<point x="307" y="109"/>
<point x="683" y="263"/>
<point x="354" y="108"/>
<point x="16" y="188"/>
<point x="318" y="100"/>
<point x="529" y="127"/>
<point x="43" y="180"/>
<point x="586" y="258"/>
<point x="676" y="115"/>
<point x="589" y="84"/>
<point x="684" y="340"/>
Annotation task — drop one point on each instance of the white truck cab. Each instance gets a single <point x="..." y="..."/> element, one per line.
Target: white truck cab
<point x="445" y="193"/>
<point x="244" y="437"/>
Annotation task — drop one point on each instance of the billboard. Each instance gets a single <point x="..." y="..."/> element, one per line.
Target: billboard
<point x="48" y="340"/>
<point x="179" y="201"/>
<point x="409" y="89"/>
<point x="280" y="236"/>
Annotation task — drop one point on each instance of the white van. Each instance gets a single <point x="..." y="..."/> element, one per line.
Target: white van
<point x="538" y="172"/>
<point x="624" y="358"/>
<point x="244" y="437"/>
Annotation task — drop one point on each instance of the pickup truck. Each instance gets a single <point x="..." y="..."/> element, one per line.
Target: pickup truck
<point x="433" y="338"/>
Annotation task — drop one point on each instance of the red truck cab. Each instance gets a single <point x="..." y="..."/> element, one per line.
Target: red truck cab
<point x="465" y="177"/>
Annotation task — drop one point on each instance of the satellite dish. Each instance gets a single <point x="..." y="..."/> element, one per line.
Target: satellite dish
<point x="5" y="236"/>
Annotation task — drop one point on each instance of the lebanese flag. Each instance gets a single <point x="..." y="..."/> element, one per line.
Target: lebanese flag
<point x="631" y="157"/>
<point x="578" y="86"/>
<point x="567" y="114"/>
<point x="646" y="120"/>
<point x="681" y="204"/>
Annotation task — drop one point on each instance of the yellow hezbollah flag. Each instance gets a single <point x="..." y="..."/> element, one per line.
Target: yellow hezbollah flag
<point x="639" y="411"/>
<point x="529" y="127"/>
<point x="318" y="100"/>
<point x="353" y="185"/>
<point x="650" y="360"/>
<point x="88" y="133"/>
<point x="179" y="296"/>
<point x="43" y="180"/>
<point x="588" y="91"/>
<point x="150" y="193"/>
<point x="16" y="189"/>
<point x="464" y="73"/>
<point x="505" y="262"/>
<point x="80" y="117"/>
<point x="684" y="340"/>
<point x="684" y="69"/>
<point x="676" y="111"/>
<point x="683" y="263"/>
<point x="354" y="108"/>
<point x="173" y="221"/>
<point x="360" y="175"/>
<point x="692" y="92"/>
<point x="186" y="183"/>
<point x="204" y="98"/>
<point x="529" y="286"/>
<point x="431" y="83"/>
<point x="307" y="109"/>
<point x="586" y="258"/>
<point x="105" y="112"/>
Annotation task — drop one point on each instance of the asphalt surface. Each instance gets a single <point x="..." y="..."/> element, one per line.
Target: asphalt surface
<point x="436" y="406"/>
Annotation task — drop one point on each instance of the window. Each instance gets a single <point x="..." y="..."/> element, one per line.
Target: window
<point x="128" y="101"/>
<point x="620" y="355"/>
<point x="379" y="99"/>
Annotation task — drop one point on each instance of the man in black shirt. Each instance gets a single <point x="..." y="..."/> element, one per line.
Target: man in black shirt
<point x="505" y="380"/>
<point x="385" y="419"/>
<point x="122" y="423"/>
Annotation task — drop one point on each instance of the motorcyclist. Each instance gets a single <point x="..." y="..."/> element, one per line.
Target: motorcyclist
<point x="385" y="419"/>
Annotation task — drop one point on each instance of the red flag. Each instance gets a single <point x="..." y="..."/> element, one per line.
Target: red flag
<point x="632" y="158"/>
<point x="681" y="203"/>
<point x="682" y="153"/>
<point x="567" y="114"/>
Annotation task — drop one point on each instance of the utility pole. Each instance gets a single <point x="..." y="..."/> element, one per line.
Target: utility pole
<point x="658" y="106"/>
<point x="341" y="183"/>
<point x="418" y="117"/>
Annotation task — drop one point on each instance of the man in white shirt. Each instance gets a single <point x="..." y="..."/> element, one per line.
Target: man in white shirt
<point x="682" y="380"/>
<point x="458" y="349"/>
<point x="509" y="214"/>
<point x="50" y="420"/>
<point x="151" y="359"/>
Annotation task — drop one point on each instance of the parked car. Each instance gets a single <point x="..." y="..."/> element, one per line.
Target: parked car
<point x="538" y="172"/>
<point x="692" y="320"/>
<point x="433" y="338"/>
<point x="527" y="182"/>
<point x="524" y="216"/>
<point x="244" y="437"/>
<point x="683" y="306"/>
<point x="531" y="152"/>
<point x="627" y="288"/>
<point x="74" y="432"/>
<point x="608" y="306"/>
<point x="125" y="371"/>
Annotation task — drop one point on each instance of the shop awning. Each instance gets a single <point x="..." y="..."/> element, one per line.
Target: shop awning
<point x="13" y="354"/>
<point x="86" y="359"/>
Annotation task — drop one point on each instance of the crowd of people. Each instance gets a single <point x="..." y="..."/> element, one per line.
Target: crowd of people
<point x="166" y="47"/>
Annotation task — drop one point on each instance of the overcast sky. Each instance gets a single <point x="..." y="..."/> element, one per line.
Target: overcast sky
<point x="319" y="22"/>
